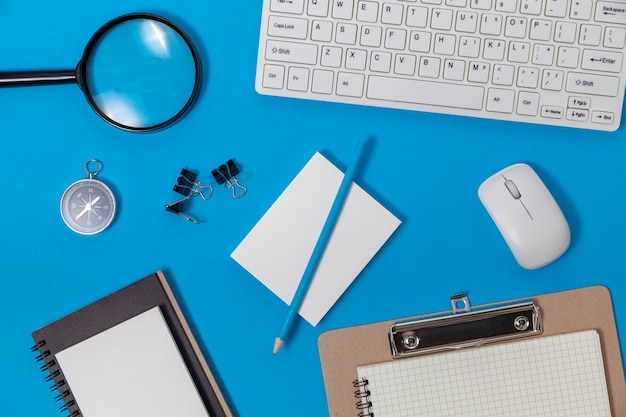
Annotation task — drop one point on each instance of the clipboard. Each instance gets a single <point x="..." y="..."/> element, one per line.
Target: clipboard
<point x="342" y="350"/>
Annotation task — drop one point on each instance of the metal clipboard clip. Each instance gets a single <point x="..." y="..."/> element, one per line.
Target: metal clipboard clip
<point x="465" y="327"/>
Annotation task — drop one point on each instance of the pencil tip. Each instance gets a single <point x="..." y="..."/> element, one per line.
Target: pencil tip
<point x="277" y="344"/>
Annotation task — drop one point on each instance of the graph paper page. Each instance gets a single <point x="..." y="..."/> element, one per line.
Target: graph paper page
<point x="550" y="376"/>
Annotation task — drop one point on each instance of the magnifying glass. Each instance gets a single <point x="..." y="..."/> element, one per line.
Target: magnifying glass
<point x="139" y="72"/>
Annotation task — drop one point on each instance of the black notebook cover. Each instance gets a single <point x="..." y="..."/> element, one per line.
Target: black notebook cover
<point x="111" y="311"/>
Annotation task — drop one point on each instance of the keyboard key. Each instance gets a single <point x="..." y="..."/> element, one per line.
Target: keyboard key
<point x="556" y="8"/>
<point x="552" y="80"/>
<point x="478" y="72"/>
<point x="501" y="101"/>
<point x="367" y="11"/>
<point x="318" y="8"/>
<point x="322" y="31"/>
<point x="346" y="33"/>
<point x="392" y="13"/>
<point x="603" y="117"/>
<point x="395" y="38"/>
<point x="287" y="27"/>
<point x="508" y="6"/>
<point x="298" y="79"/>
<point x="322" y="82"/>
<point x="429" y="67"/>
<point x="298" y="53"/>
<point x="481" y="4"/>
<point x="416" y="16"/>
<point x="491" y="24"/>
<point x="273" y="76"/>
<point x="568" y="57"/>
<point x="469" y="47"/>
<point x="532" y="7"/>
<point x="466" y="22"/>
<point x="552" y="112"/>
<point x="425" y="92"/>
<point x="287" y="6"/>
<point x="420" y="41"/>
<point x="331" y="56"/>
<point x="503" y="74"/>
<point x="611" y="12"/>
<point x="342" y="9"/>
<point x="602" y="60"/>
<point x="441" y="19"/>
<point x="590" y="35"/>
<point x="528" y="103"/>
<point x="581" y="9"/>
<point x="349" y="84"/>
<point x="527" y="77"/>
<point x="371" y="36"/>
<point x="454" y="70"/>
<point x="356" y="59"/>
<point x="577" y="115"/>
<point x="380" y="62"/>
<point x="598" y="85"/>
<point x="579" y="102"/>
<point x="540" y="30"/>
<point x="405" y="64"/>
<point x="615" y="37"/>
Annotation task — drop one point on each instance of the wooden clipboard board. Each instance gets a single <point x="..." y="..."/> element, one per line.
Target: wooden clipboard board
<point x="342" y="350"/>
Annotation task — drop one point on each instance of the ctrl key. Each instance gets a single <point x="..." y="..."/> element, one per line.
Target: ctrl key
<point x="273" y="76"/>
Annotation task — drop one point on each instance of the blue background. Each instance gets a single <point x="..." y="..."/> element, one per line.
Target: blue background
<point x="426" y="168"/>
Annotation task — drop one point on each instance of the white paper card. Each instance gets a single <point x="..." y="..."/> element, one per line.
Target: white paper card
<point x="278" y="248"/>
<point x="132" y="369"/>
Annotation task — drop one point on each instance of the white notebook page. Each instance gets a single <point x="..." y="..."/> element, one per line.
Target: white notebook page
<point x="546" y="376"/>
<point x="130" y="370"/>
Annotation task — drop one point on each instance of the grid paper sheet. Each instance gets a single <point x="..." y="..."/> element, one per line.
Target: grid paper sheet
<point x="550" y="376"/>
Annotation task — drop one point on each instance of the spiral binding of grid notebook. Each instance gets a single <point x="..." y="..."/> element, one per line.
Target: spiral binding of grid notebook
<point x="364" y="405"/>
<point x="55" y="375"/>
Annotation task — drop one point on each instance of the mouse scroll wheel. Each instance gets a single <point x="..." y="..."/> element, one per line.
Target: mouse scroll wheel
<point x="510" y="185"/>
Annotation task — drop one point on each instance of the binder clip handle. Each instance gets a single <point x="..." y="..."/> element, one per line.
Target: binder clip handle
<point x="177" y="208"/>
<point x="187" y="186"/>
<point x="226" y="174"/>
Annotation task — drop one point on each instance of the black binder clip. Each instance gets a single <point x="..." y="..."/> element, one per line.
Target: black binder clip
<point x="226" y="174"/>
<point x="188" y="187"/>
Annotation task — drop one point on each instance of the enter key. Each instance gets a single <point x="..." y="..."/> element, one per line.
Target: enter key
<point x="602" y="60"/>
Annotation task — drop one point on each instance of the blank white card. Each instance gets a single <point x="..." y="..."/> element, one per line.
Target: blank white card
<point x="132" y="369"/>
<point x="278" y="248"/>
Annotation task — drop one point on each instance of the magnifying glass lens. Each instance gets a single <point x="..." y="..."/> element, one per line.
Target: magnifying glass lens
<point x="140" y="73"/>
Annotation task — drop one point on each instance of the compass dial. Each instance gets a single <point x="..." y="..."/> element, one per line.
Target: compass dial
<point x="88" y="206"/>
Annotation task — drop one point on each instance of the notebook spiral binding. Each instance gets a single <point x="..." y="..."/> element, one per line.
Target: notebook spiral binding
<point x="364" y="405"/>
<point x="56" y="376"/>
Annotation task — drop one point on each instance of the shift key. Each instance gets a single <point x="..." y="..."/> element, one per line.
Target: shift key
<point x="598" y="85"/>
<point x="298" y="53"/>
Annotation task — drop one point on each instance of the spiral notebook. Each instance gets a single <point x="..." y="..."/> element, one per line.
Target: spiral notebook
<point x="129" y="354"/>
<point x="550" y="355"/>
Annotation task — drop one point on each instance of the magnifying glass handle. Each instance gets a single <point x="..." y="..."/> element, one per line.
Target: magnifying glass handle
<point x="25" y="78"/>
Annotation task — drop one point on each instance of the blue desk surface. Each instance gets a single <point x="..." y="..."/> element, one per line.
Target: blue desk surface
<point x="426" y="168"/>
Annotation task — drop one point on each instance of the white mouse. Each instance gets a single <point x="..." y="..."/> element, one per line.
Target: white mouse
<point x="526" y="215"/>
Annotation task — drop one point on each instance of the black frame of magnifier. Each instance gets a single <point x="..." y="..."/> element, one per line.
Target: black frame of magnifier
<point x="79" y="75"/>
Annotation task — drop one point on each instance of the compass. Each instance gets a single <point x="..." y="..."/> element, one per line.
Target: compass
<point x="88" y="205"/>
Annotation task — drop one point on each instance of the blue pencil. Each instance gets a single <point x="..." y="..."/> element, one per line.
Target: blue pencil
<point x="322" y="241"/>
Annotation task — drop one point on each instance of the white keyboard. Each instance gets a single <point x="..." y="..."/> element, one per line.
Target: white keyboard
<point x="554" y="62"/>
